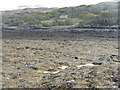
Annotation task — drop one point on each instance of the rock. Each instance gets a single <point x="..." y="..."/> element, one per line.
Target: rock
<point x="35" y="68"/>
<point x="115" y="58"/>
<point x="34" y="48"/>
<point x="71" y="81"/>
<point x="97" y="63"/>
<point x="85" y="65"/>
<point x="63" y="67"/>
<point x="76" y="58"/>
<point x="51" y="70"/>
<point x="19" y="48"/>
<point x="18" y="68"/>
<point x="40" y="49"/>
<point x="73" y="73"/>
<point x="92" y="86"/>
<point x="27" y="47"/>
<point x="63" y="63"/>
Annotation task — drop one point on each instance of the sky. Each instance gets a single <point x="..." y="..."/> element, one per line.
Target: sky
<point x="13" y="4"/>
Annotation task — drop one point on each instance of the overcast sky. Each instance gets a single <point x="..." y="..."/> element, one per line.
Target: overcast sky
<point x="13" y="4"/>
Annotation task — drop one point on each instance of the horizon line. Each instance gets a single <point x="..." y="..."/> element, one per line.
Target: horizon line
<point x="42" y="6"/>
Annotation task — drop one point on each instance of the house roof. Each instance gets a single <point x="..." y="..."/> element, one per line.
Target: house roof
<point x="63" y="15"/>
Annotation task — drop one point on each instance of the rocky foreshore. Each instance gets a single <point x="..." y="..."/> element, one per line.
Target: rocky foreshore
<point x="60" y="60"/>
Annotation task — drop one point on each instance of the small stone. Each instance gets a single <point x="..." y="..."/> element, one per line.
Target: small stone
<point x="73" y="73"/>
<point x="85" y="65"/>
<point x="63" y="63"/>
<point x="7" y="78"/>
<point x="92" y="86"/>
<point x="63" y="67"/>
<point x="97" y="63"/>
<point x="34" y="68"/>
<point x="76" y="58"/>
<point x="71" y="81"/>
<point x="41" y="49"/>
<point x="18" y="68"/>
<point x="51" y="70"/>
<point x="27" y="47"/>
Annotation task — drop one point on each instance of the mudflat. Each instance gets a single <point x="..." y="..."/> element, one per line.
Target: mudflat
<point x="60" y="59"/>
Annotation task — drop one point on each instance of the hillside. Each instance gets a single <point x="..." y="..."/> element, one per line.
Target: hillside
<point x="101" y="14"/>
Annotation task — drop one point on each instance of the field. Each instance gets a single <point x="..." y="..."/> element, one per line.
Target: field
<point x="60" y="59"/>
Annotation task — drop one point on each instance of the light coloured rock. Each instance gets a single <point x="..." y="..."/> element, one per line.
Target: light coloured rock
<point x="71" y="81"/>
<point x="48" y="72"/>
<point x="63" y="67"/>
<point x="85" y="65"/>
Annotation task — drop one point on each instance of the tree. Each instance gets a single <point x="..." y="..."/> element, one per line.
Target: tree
<point x="90" y="19"/>
<point x="81" y="23"/>
<point x="68" y="22"/>
<point x="108" y="18"/>
<point x="58" y="22"/>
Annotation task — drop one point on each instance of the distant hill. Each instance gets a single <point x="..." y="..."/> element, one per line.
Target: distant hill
<point x="22" y="9"/>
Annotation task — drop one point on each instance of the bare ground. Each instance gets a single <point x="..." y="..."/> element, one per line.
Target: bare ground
<point x="34" y="59"/>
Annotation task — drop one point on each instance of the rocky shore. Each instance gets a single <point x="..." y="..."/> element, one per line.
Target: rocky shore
<point x="75" y="59"/>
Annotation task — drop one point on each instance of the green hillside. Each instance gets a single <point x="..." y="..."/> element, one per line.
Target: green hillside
<point x="101" y="14"/>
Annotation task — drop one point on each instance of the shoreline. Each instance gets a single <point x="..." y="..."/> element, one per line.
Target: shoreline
<point x="56" y="34"/>
<point x="111" y="28"/>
